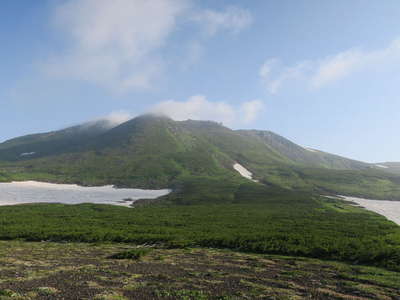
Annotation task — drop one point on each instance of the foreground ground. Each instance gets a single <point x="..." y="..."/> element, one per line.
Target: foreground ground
<point x="46" y="270"/>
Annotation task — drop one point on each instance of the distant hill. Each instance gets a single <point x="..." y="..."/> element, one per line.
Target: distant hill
<point x="54" y="142"/>
<point x="306" y="156"/>
<point x="391" y="167"/>
<point x="156" y="151"/>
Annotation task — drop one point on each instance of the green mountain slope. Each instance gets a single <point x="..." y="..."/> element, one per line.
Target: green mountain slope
<point x="146" y="151"/>
<point x="51" y="143"/>
<point x="154" y="151"/>
<point x="391" y="167"/>
<point x="211" y="204"/>
<point x="305" y="156"/>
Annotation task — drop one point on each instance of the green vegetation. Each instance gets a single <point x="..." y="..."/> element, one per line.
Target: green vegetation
<point x="391" y="167"/>
<point x="370" y="183"/>
<point x="247" y="217"/>
<point x="132" y="254"/>
<point x="211" y="206"/>
<point x="157" y="152"/>
<point x="304" y="156"/>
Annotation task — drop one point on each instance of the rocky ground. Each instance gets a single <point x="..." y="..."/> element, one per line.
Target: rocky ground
<point x="85" y="271"/>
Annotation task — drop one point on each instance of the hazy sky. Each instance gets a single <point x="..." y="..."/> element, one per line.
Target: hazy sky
<point x="325" y="74"/>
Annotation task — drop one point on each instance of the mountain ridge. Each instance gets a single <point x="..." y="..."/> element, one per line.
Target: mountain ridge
<point x="101" y="126"/>
<point x="155" y="151"/>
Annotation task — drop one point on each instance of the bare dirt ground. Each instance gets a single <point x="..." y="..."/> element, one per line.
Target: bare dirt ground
<point x="85" y="271"/>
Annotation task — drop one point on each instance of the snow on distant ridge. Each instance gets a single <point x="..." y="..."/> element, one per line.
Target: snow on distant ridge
<point x="244" y="172"/>
<point x="27" y="153"/>
<point x="310" y="149"/>
<point x="382" y="166"/>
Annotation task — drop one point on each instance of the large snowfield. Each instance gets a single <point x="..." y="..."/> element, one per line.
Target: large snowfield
<point x="389" y="209"/>
<point x="40" y="192"/>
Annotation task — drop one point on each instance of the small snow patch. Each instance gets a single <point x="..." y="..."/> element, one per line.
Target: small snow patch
<point x="310" y="149"/>
<point x="382" y="166"/>
<point x="27" y="153"/>
<point x="244" y="172"/>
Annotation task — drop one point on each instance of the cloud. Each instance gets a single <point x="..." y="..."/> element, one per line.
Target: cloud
<point x="251" y="110"/>
<point x="113" y="43"/>
<point x="316" y="74"/>
<point x="113" y="119"/>
<point x="233" y="19"/>
<point x="118" y="117"/>
<point x="120" y="44"/>
<point x="338" y="67"/>
<point x="199" y="108"/>
<point x="273" y="76"/>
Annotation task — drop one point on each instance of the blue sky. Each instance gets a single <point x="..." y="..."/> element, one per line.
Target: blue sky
<point x="324" y="74"/>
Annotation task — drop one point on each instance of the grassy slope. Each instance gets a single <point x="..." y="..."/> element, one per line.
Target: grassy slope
<point x="301" y="155"/>
<point x="142" y="153"/>
<point x="155" y="152"/>
<point x="392" y="167"/>
<point x="51" y="143"/>
<point x="370" y="183"/>
<point x="212" y="205"/>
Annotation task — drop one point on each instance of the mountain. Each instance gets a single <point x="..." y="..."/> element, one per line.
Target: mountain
<point x="306" y="156"/>
<point x="156" y="151"/>
<point x="391" y="167"/>
<point x="54" y="142"/>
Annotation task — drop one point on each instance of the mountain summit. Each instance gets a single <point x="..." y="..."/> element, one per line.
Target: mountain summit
<point x="156" y="151"/>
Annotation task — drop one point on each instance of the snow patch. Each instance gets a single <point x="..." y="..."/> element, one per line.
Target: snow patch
<point x="388" y="209"/>
<point x="21" y="192"/>
<point x="310" y="149"/>
<point x="382" y="166"/>
<point x="27" y="153"/>
<point x="244" y="172"/>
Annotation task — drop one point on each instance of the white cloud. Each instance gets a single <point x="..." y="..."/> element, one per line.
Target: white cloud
<point x="119" y="44"/>
<point x="315" y="74"/>
<point x="273" y="79"/>
<point x="118" y="117"/>
<point x="113" y="119"/>
<point x="250" y="110"/>
<point x="337" y="67"/>
<point x="199" y="108"/>
<point x="113" y="43"/>
<point x="233" y="19"/>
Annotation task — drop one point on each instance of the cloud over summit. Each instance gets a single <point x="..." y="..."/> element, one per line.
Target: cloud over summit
<point x="200" y="108"/>
<point x="121" y="44"/>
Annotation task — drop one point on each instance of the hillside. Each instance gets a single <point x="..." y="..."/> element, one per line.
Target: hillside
<point x="391" y="167"/>
<point x="51" y="143"/>
<point x="305" y="156"/>
<point x="211" y="205"/>
<point x="155" y="151"/>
